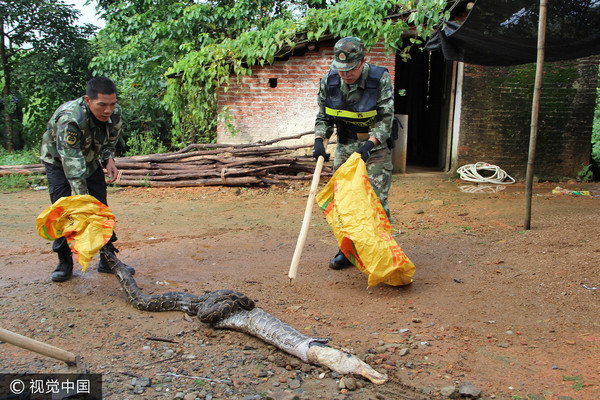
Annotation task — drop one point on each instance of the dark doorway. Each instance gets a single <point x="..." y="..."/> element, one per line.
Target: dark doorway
<point x="420" y="86"/>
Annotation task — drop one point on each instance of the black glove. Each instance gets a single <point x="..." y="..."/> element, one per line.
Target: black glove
<point x="319" y="150"/>
<point x="365" y="150"/>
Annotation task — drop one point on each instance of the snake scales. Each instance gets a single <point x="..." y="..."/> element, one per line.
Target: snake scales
<point x="228" y="309"/>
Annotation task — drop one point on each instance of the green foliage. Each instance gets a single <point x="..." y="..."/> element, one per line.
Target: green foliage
<point x="25" y="156"/>
<point x="46" y="63"/>
<point x="47" y="79"/>
<point x="143" y="144"/>
<point x="142" y="41"/>
<point x="146" y="182"/>
<point x="586" y="174"/>
<point x="200" y="382"/>
<point x="13" y="182"/>
<point x="192" y="100"/>
<point x="16" y="182"/>
<point x="577" y="380"/>
<point x="205" y="44"/>
<point x="144" y="118"/>
<point x="134" y="52"/>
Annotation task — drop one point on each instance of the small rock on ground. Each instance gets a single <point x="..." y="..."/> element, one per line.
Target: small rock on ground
<point x="469" y="391"/>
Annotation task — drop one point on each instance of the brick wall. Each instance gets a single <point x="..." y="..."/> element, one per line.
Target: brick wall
<point x="496" y="117"/>
<point x="263" y="112"/>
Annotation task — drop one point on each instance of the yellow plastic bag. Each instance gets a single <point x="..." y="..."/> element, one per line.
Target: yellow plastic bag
<point x="85" y="222"/>
<point x="361" y="226"/>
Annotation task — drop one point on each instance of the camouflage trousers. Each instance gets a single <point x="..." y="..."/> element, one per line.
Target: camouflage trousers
<point x="379" y="168"/>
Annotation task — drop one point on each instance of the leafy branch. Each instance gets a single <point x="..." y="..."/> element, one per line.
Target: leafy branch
<point x="208" y="44"/>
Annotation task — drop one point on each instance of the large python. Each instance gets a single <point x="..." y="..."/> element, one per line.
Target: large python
<point x="228" y="309"/>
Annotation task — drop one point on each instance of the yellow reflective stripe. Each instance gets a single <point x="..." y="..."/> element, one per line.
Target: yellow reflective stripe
<point x="350" y="114"/>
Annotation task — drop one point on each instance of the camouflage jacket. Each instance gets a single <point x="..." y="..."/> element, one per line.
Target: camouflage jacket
<point x="74" y="141"/>
<point x="352" y="93"/>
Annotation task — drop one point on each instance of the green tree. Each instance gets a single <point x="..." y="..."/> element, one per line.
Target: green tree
<point x="203" y="43"/>
<point x="44" y="58"/>
<point x="142" y="41"/>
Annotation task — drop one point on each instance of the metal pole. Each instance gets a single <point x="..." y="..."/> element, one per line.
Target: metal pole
<point x="539" y="73"/>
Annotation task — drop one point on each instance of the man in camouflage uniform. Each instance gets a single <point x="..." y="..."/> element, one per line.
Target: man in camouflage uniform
<point x="361" y="107"/>
<point x="80" y="139"/>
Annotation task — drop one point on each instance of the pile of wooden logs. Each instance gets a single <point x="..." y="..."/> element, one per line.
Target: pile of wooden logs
<point x="26" y="169"/>
<point x="211" y="164"/>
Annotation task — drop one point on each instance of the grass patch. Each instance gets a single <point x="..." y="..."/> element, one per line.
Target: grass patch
<point x="577" y="381"/>
<point x="13" y="182"/>
<point x="17" y="182"/>
<point x="26" y="156"/>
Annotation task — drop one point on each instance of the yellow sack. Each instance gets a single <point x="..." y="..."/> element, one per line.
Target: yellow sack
<point x="85" y="222"/>
<point x="361" y="226"/>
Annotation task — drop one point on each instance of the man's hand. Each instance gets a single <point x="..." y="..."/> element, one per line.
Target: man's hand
<point x="319" y="150"/>
<point x="111" y="170"/>
<point x="365" y="150"/>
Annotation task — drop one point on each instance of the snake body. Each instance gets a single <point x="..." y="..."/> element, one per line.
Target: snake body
<point x="229" y="309"/>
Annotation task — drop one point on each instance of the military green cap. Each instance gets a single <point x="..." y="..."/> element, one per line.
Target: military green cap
<point x="348" y="52"/>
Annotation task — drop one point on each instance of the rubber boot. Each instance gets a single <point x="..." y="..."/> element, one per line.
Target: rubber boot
<point x="103" y="266"/>
<point x="339" y="261"/>
<point x="64" y="269"/>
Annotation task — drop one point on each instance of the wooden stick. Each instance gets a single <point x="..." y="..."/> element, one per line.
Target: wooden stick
<point x="261" y="143"/>
<point x="195" y="378"/>
<point x="227" y="181"/>
<point x="307" y="214"/>
<point x="38" y="347"/>
<point x="160" y="339"/>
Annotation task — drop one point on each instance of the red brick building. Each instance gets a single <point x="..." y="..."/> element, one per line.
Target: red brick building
<point x="281" y="99"/>
<point x="457" y="113"/>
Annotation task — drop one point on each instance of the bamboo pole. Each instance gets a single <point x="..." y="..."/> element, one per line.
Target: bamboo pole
<point x="38" y="347"/>
<point x="306" y="220"/>
<point x="535" y="108"/>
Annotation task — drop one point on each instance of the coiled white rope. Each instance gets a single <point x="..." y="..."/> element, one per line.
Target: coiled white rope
<point x="470" y="173"/>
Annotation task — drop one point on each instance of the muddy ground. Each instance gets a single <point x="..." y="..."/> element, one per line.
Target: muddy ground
<point x="513" y="312"/>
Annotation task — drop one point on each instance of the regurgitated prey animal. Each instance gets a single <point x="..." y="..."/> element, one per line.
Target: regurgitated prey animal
<point x="228" y="309"/>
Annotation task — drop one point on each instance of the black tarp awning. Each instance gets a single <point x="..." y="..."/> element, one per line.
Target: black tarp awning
<point x="504" y="32"/>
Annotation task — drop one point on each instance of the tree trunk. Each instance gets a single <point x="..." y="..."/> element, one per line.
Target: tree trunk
<point x="6" y="91"/>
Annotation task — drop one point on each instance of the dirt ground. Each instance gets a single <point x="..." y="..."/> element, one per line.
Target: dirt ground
<point x="513" y="312"/>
